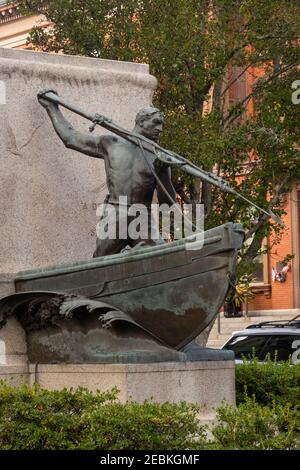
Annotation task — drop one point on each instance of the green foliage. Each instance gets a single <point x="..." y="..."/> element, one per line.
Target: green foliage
<point x="253" y="426"/>
<point x="147" y="426"/>
<point x="268" y="381"/>
<point x="191" y="46"/>
<point x="32" y="418"/>
<point x="268" y="411"/>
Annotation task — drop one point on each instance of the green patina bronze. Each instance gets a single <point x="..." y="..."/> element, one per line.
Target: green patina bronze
<point x="145" y="305"/>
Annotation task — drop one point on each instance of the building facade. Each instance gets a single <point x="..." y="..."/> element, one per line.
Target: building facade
<point x="14" y="27"/>
<point x="277" y="287"/>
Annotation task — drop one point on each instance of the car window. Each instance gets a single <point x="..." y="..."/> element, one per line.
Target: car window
<point x="281" y="346"/>
<point x="245" y="345"/>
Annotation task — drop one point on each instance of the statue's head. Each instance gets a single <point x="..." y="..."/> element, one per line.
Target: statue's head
<point x="150" y="122"/>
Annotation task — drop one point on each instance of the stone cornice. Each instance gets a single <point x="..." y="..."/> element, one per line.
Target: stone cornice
<point x="84" y="76"/>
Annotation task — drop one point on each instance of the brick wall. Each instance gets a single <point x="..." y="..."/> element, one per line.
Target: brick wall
<point x="281" y="296"/>
<point x="281" y="293"/>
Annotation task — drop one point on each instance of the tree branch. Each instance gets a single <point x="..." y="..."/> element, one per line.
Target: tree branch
<point x="263" y="218"/>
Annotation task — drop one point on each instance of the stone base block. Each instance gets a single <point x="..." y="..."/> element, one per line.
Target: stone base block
<point x="15" y="375"/>
<point x="13" y="348"/>
<point x="205" y="383"/>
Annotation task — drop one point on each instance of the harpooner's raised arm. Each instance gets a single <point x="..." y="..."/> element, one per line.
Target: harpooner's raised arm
<point x="84" y="143"/>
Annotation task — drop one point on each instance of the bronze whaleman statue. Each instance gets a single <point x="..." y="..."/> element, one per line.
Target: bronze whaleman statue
<point x="129" y="169"/>
<point x="144" y="305"/>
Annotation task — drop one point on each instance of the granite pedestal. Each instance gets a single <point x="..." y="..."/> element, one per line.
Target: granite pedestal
<point x="206" y="383"/>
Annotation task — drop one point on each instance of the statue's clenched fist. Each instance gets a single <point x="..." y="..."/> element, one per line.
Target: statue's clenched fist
<point x="42" y="98"/>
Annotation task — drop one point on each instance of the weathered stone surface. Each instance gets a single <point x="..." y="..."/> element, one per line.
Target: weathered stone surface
<point x="15" y="375"/>
<point x="205" y="383"/>
<point x="49" y="194"/>
<point x="7" y="285"/>
<point x="13" y="348"/>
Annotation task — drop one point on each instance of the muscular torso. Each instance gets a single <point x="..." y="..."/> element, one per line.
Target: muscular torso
<point x="127" y="172"/>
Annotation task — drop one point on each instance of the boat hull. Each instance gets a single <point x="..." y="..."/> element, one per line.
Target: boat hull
<point x="173" y="291"/>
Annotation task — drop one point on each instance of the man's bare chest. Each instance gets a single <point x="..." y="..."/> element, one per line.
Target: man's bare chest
<point x="123" y="156"/>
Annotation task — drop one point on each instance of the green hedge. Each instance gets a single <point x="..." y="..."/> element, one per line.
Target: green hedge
<point x="267" y="417"/>
<point x="268" y="382"/>
<point x="253" y="426"/>
<point x="268" y="408"/>
<point x="32" y="418"/>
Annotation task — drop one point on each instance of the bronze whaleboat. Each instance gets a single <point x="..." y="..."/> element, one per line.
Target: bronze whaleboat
<point x="164" y="295"/>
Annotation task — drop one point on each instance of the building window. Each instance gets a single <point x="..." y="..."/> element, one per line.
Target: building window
<point x="260" y="263"/>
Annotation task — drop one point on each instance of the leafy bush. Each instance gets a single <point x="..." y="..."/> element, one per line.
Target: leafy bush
<point x="253" y="426"/>
<point x="146" y="426"/>
<point x="268" y="412"/>
<point x="267" y="417"/>
<point x="32" y="418"/>
<point x="268" y="382"/>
